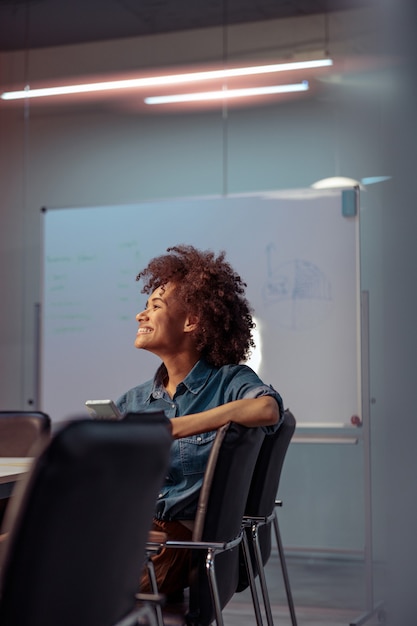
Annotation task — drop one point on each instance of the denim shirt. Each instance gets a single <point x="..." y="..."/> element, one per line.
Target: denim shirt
<point x="205" y="387"/>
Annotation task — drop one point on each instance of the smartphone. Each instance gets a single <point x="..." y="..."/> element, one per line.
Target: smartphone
<point x="103" y="409"/>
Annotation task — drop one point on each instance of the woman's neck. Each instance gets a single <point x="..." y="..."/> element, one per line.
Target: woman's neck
<point x="178" y="368"/>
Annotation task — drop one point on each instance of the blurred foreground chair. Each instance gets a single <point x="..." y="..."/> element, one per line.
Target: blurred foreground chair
<point x="79" y="526"/>
<point x="20" y="430"/>
<point x="260" y="514"/>
<point x="20" y="433"/>
<point x="218" y="530"/>
<point x="155" y="540"/>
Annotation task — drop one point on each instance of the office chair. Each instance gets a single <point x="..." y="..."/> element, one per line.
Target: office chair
<point x="218" y="528"/>
<point x="260" y="514"/>
<point x="79" y="526"/>
<point x="20" y="430"/>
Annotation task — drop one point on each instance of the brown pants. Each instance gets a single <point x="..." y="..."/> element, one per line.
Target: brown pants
<point x="171" y="565"/>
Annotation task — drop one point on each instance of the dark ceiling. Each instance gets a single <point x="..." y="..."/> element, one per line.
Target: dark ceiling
<point x="41" y="23"/>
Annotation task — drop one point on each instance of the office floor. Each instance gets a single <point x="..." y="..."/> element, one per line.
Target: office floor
<point x="326" y="592"/>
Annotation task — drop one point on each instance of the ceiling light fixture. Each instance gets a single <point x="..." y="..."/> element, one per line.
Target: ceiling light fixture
<point x="170" y="79"/>
<point x="336" y="182"/>
<point x="227" y="93"/>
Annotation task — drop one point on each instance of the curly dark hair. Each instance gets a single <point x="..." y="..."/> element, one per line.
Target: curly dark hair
<point x="212" y="290"/>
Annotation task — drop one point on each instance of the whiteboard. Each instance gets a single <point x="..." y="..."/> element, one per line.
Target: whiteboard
<point x="295" y="250"/>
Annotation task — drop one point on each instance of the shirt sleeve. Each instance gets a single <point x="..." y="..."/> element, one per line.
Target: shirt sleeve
<point x="253" y="387"/>
<point x="268" y="390"/>
<point x="121" y="403"/>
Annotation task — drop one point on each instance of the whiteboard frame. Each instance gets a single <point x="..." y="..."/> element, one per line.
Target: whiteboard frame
<point x="344" y="428"/>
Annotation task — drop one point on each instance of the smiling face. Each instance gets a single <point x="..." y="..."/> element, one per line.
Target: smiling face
<point x="164" y="325"/>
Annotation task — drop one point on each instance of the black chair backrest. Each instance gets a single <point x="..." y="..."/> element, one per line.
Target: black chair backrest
<point x="267" y="474"/>
<point x="265" y="482"/>
<point x="20" y="430"/>
<point x="77" y="545"/>
<point x="219" y="516"/>
<point x="149" y="417"/>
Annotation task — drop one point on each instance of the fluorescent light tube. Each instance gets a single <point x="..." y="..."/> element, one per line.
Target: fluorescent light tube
<point x="227" y="93"/>
<point x="171" y="79"/>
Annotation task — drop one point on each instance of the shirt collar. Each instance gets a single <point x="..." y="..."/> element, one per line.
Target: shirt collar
<point x="197" y="378"/>
<point x="194" y="381"/>
<point x="157" y="388"/>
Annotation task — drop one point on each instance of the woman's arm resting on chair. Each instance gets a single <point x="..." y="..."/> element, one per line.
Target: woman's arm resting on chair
<point x="252" y="412"/>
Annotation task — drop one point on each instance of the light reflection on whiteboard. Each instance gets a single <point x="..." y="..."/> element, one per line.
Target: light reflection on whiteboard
<point x="255" y="359"/>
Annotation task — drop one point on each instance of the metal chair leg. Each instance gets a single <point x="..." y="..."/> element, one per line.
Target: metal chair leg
<point x="261" y="574"/>
<point x="252" y="582"/>
<point x="136" y="617"/>
<point x="211" y="575"/>
<point x="154" y="587"/>
<point x="285" y="572"/>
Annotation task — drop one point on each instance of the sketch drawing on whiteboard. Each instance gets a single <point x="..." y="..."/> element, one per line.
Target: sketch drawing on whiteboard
<point x="300" y="289"/>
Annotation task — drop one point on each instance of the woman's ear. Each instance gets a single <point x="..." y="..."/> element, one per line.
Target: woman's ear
<point x="191" y="323"/>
